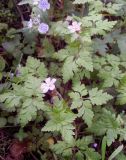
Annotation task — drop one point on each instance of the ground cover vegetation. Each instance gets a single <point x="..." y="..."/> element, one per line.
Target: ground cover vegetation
<point x="62" y="79"/>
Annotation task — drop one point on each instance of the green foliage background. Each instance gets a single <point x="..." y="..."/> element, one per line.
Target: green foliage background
<point x="90" y="68"/>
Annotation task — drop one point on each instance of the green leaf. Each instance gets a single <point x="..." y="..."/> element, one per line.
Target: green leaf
<point x="116" y="152"/>
<point x="10" y="100"/>
<point x="106" y="123"/>
<point x="85" y="60"/>
<point x="62" y="148"/>
<point x="120" y="156"/>
<point x="86" y="112"/>
<point x="121" y="98"/>
<point x="92" y="155"/>
<point x="111" y="136"/>
<point x="60" y="120"/>
<point x="67" y="133"/>
<point x="110" y="75"/>
<point x="29" y="109"/>
<point x="79" y="156"/>
<point x="32" y="87"/>
<point x="35" y="67"/>
<point x="21" y="135"/>
<point x="77" y="101"/>
<point x="103" y="149"/>
<point x="69" y="68"/>
<point x="99" y="97"/>
<point x="80" y="88"/>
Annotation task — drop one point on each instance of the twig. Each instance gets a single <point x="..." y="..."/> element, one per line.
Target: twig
<point x="21" y="15"/>
<point x="55" y="156"/>
<point x="33" y="156"/>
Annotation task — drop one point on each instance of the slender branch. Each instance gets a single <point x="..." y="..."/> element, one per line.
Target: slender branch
<point x="33" y="156"/>
<point x="55" y="156"/>
<point x="18" y="8"/>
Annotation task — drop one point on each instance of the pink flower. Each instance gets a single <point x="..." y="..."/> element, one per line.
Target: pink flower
<point x="49" y="84"/>
<point x="75" y="27"/>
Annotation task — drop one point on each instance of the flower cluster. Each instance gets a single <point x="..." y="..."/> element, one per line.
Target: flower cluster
<point x="35" y="21"/>
<point x="42" y="27"/>
<point x="74" y="27"/>
<point x="49" y="84"/>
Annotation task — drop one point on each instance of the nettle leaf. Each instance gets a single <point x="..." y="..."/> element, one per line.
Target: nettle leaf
<point x="111" y="136"/>
<point x="85" y="60"/>
<point x="62" y="148"/>
<point x="67" y="133"/>
<point x="84" y="107"/>
<point x="65" y="149"/>
<point x="79" y="91"/>
<point x="29" y="110"/>
<point x="113" y="60"/>
<point x="103" y="26"/>
<point x="60" y="120"/>
<point x="99" y="97"/>
<point x="86" y="113"/>
<point x="80" y="88"/>
<point x="121" y="98"/>
<point x="84" y="142"/>
<point x="27" y="114"/>
<point x="33" y="68"/>
<point x="90" y="153"/>
<point x="77" y="101"/>
<point x="32" y="87"/>
<point x="106" y="122"/>
<point x="113" y="8"/>
<point x="69" y="67"/>
<point x="110" y="75"/>
<point x="36" y="67"/>
<point x="71" y="50"/>
<point x="10" y="100"/>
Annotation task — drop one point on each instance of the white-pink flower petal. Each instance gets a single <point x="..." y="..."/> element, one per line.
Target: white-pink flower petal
<point x="49" y="84"/>
<point x="48" y="80"/>
<point x="52" y="87"/>
<point x="75" y="27"/>
<point x="45" y="90"/>
<point x="53" y="81"/>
